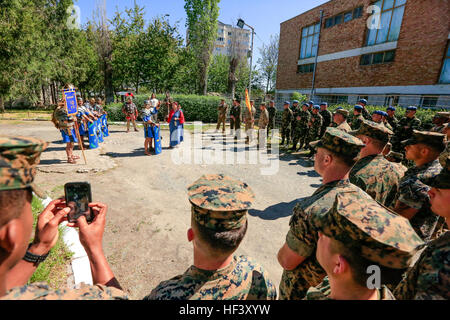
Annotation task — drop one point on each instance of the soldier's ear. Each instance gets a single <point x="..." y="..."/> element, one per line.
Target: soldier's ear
<point x="190" y="235"/>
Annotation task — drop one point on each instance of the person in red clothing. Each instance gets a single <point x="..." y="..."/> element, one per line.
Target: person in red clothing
<point x="176" y="125"/>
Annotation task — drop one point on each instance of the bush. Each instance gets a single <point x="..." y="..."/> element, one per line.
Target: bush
<point x="195" y="108"/>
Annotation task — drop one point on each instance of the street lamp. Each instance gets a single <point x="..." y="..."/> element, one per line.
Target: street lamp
<point x="241" y="23"/>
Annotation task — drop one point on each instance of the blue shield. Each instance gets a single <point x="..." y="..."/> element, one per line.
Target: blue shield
<point x="93" y="139"/>
<point x="158" y="146"/>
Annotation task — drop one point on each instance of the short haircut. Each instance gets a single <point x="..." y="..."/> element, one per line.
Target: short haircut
<point x="12" y="203"/>
<point x="434" y="148"/>
<point x="359" y="265"/>
<point x="221" y="243"/>
<point x="345" y="159"/>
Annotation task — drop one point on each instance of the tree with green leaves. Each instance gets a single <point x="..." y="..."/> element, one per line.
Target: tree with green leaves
<point x="268" y="62"/>
<point x="202" y="19"/>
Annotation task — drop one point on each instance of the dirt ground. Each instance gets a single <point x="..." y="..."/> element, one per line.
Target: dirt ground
<point x="145" y="239"/>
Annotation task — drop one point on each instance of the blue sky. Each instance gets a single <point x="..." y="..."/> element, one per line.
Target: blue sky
<point x="264" y="15"/>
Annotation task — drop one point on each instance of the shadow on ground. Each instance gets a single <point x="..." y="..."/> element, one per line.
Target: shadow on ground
<point x="277" y="211"/>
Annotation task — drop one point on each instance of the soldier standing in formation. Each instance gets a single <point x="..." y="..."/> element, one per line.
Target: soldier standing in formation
<point x="263" y="122"/>
<point x="235" y="119"/>
<point x="219" y="206"/>
<point x="316" y="127"/>
<point x="412" y="201"/>
<point x="405" y="128"/>
<point x="300" y="127"/>
<point x="366" y="115"/>
<point x="345" y="250"/>
<point x="286" y="122"/>
<point x="222" y="115"/>
<point x="249" y="120"/>
<point x="391" y="118"/>
<point x="357" y="117"/>
<point x="340" y="119"/>
<point x="272" y="117"/>
<point x="372" y="172"/>
<point x="337" y="151"/>
<point x="429" y="278"/>
<point x="440" y="120"/>
<point x="327" y="117"/>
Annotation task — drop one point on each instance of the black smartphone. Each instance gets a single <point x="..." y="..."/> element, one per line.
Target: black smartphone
<point x="78" y="196"/>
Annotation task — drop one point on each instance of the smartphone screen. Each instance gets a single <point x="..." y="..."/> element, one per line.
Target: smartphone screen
<point x="78" y="196"/>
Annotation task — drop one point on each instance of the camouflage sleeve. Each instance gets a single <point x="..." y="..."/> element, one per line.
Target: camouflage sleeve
<point x="416" y="124"/>
<point x="41" y="291"/>
<point x="262" y="288"/>
<point x="413" y="193"/>
<point x="300" y="237"/>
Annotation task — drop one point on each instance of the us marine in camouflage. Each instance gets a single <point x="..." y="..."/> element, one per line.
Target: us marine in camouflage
<point x="372" y="172"/>
<point x="396" y="158"/>
<point x="429" y="278"/>
<point x="350" y="242"/>
<point x="405" y="128"/>
<point x="286" y="122"/>
<point x="412" y="200"/>
<point x="340" y="120"/>
<point x="19" y="157"/>
<point x="440" y="120"/>
<point x="336" y="154"/>
<point x="300" y="127"/>
<point x="218" y="225"/>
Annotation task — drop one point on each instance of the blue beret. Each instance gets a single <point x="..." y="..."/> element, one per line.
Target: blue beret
<point x="391" y="109"/>
<point x="339" y="108"/>
<point x="311" y="102"/>
<point x="411" y="108"/>
<point x="287" y="102"/>
<point x="295" y="101"/>
<point x="379" y="112"/>
<point x="385" y="114"/>
<point x="306" y="105"/>
<point x="317" y="107"/>
<point x="363" y="101"/>
<point x="358" y="107"/>
<point x="324" y="104"/>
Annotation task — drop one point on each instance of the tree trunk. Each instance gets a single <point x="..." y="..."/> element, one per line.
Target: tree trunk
<point x="2" y="106"/>
<point x="109" y="91"/>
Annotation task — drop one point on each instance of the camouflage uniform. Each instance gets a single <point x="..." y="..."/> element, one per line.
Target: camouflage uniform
<point x="323" y="291"/>
<point x="249" y="122"/>
<point x="222" y="116"/>
<point x="429" y="278"/>
<point x="286" y="122"/>
<point x="219" y="203"/>
<point x="365" y="114"/>
<point x="357" y="121"/>
<point x="327" y="117"/>
<point x="405" y="129"/>
<point x="414" y="194"/>
<point x="262" y="125"/>
<point x="373" y="173"/>
<point x="302" y="236"/>
<point x="396" y="159"/>
<point x="393" y="121"/>
<point x="235" y="125"/>
<point x="272" y="117"/>
<point x="344" y="126"/>
<point x="41" y="291"/>
<point x="19" y="157"/>
<point x="369" y="230"/>
<point x="314" y="131"/>
<point x="300" y="128"/>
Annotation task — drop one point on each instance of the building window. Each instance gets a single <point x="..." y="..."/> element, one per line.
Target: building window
<point x="377" y="58"/>
<point x="344" y="17"/>
<point x="310" y="41"/>
<point x="220" y="39"/>
<point x="305" y="68"/>
<point x="386" y="21"/>
<point x="429" y="102"/>
<point x="445" y="74"/>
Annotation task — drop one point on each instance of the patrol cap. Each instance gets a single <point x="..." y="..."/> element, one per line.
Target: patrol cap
<point x="219" y="202"/>
<point x="363" y="101"/>
<point x="358" y="107"/>
<point x="342" y="111"/>
<point x="432" y="139"/>
<point x="391" y="109"/>
<point x="411" y="108"/>
<point x="371" y="230"/>
<point x="373" y="130"/>
<point x="19" y="157"/>
<point x="324" y="104"/>
<point x="339" y="142"/>
<point x="287" y="103"/>
<point x="442" y="180"/>
<point x="317" y="107"/>
<point x="295" y="101"/>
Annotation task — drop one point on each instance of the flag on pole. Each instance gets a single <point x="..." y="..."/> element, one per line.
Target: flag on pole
<point x="247" y="101"/>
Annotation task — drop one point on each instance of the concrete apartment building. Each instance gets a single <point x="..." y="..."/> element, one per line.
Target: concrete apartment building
<point x="230" y="38"/>
<point x="405" y="61"/>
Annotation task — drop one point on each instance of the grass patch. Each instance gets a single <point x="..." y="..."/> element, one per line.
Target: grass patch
<point x="54" y="269"/>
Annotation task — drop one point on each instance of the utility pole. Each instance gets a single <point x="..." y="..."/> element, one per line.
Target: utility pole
<point x="241" y="24"/>
<point x="317" y="56"/>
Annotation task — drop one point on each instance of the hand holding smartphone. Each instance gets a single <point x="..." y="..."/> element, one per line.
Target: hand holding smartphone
<point x="78" y="195"/>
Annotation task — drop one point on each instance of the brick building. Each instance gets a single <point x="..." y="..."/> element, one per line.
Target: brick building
<point x="402" y="59"/>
